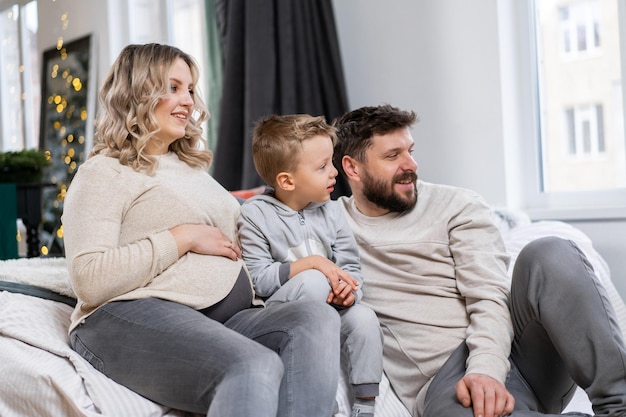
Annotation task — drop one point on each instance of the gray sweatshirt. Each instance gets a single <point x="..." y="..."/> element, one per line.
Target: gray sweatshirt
<point x="273" y="235"/>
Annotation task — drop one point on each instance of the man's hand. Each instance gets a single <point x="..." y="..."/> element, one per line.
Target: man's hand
<point x="488" y="397"/>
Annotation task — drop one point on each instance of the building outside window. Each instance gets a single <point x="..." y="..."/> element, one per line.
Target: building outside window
<point x="579" y="26"/>
<point x="580" y="95"/>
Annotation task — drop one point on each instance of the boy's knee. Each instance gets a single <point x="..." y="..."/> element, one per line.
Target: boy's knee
<point x="362" y="317"/>
<point x="313" y="285"/>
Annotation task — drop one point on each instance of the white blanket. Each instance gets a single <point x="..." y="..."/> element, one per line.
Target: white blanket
<point x="43" y="376"/>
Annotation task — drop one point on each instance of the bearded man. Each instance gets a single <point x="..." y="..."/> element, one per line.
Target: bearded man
<point x="461" y="338"/>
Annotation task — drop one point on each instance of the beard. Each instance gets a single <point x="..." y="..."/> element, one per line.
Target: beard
<point x="384" y="196"/>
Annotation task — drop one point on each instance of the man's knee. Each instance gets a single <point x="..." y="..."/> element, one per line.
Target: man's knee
<point x="555" y="263"/>
<point x="545" y="247"/>
<point x="551" y="254"/>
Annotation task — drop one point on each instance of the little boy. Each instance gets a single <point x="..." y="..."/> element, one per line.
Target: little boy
<point x="297" y="244"/>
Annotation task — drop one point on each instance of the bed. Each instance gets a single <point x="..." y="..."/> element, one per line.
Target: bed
<point x="43" y="376"/>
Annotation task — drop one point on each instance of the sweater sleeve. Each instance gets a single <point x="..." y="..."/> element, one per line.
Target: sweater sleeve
<point x="345" y="249"/>
<point x="481" y="262"/>
<point x="102" y="268"/>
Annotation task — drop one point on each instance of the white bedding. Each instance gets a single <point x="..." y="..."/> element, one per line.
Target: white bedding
<point x="43" y="376"/>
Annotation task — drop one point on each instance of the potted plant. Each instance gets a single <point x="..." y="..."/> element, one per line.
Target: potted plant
<point x="25" y="166"/>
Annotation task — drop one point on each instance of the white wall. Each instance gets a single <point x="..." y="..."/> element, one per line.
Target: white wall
<point x="443" y="60"/>
<point x="440" y="59"/>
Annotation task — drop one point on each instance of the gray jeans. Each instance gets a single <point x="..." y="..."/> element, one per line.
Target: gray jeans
<point x="361" y="337"/>
<point x="266" y="362"/>
<point x="566" y="333"/>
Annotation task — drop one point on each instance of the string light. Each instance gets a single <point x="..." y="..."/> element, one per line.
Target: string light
<point x="64" y="125"/>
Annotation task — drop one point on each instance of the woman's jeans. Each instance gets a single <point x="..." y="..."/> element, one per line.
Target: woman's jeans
<point x="276" y="361"/>
<point x="566" y="334"/>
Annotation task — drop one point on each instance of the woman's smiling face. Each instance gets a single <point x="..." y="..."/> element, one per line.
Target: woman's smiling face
<point x="173" y="113"/>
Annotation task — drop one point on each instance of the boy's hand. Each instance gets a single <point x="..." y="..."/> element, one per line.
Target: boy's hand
<point x="345" y="297"/>
<point x="342" y="284"/>
<point x="335" y="275"/>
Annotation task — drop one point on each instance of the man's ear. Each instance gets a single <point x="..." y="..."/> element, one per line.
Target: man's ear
<point x="284" y="181"/>
<point x="350" y="167"/>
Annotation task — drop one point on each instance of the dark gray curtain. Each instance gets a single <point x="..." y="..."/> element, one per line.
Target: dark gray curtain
<point x="279" y="57"/>
<point x="214" y="72"/>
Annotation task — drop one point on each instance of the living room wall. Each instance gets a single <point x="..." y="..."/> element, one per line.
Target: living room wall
<point x="70" y="19"/>
<point x="443" y="59"/>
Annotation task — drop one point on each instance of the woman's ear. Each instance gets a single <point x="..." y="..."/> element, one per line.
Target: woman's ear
<point x="351" y="167"/>
<point x="284" y="181"/>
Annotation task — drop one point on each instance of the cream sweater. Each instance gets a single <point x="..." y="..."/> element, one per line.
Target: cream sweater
<point x="435" y="276"/>
<point x="117" y="243"/>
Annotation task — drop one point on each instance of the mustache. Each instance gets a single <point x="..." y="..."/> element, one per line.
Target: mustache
<point x="407" y="176"/>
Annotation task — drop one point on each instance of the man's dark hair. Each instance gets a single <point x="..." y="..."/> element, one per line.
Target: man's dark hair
<point x="356" y="128"/>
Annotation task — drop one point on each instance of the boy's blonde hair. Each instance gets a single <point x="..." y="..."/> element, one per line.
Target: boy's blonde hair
<point x="277" y="142"/>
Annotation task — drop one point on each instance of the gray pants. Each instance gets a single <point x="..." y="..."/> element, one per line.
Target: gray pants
<point x="262" y="362"/>
<point x="566" y="334"/>
<point x="361" y="337"/>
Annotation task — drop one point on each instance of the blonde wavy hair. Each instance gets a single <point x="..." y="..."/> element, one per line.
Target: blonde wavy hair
<point x="135" y="84"/>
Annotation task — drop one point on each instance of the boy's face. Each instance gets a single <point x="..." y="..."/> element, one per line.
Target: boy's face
<point x="314" y="178"/>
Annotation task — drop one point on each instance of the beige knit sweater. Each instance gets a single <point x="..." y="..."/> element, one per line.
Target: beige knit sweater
<point x="117" y="243"/>
<point x="435" y="276"/>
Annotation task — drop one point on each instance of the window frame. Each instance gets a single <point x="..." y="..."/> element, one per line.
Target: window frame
<point x="521" y="103"/>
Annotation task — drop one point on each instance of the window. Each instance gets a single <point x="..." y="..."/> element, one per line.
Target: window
<point x="584" y="131"/>
<point x="571" y="127"/>
<point x="181" y="23"/>
<point x="143" y="21"/>
<point x="581" y="86"/>
<point x="19" y="76"/>
<point x="578" y="24"/>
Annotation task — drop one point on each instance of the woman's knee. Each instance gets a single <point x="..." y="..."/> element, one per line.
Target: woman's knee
<point x="265" y="365"/>
<point x="314" y="317"/>
<point x="258" y="366"/>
